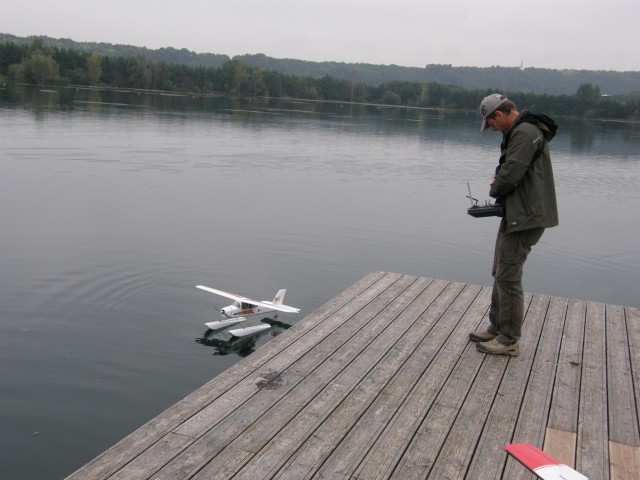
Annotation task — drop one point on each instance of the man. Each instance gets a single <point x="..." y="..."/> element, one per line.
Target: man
<point x="524" y="185"/>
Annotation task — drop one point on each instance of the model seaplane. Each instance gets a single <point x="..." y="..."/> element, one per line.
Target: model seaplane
<point x="243" y="307"/>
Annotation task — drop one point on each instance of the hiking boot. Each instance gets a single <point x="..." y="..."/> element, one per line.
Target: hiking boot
<point x="496" y="348"/>
<point x="482" y="336"/>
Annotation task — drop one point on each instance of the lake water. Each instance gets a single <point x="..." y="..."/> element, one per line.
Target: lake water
<point x="115" y="205"/>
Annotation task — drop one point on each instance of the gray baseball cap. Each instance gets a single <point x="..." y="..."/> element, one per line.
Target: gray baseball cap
<point x="488" y="106"/>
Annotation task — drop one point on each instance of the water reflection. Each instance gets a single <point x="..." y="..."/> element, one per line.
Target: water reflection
<point x="586" y="137"/>
<point x="243" y="108"/>
<point x="224" y="343"/>
<point x="112" y="203"/>
<point x="581" y="136"/>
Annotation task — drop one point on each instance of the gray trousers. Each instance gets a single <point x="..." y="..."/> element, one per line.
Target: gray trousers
<point x="507" y="301"/>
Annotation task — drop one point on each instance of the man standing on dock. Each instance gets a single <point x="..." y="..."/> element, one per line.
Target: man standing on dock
<point x="524" y="185"/>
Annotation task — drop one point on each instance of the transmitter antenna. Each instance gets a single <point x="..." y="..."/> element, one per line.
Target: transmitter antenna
<point x="474" y="201"/>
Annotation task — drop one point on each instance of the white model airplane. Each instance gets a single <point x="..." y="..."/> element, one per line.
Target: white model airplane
<point x="243" y="306"/>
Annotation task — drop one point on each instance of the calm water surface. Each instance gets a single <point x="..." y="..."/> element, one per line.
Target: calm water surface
<point x="114" y="206"/>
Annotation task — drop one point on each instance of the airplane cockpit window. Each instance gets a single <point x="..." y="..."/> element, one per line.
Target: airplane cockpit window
<point x="246" y="306"/>
<point x="237" y="304"/>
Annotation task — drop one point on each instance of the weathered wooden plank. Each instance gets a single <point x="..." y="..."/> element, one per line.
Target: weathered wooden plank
<point x="625" y="461"/>
<point x="225" y="465"/>
<point x="150" y="461"/>
<point x="408" y="405"/>
<point x="623" y="418"/>
<point x="298" y="431"/>
<point x="566" y="392"/>
<point x="426" y="445"/>
<point x="489" y="459"/>
<point x="633" y="333"/>
<point x="137" y="442"/>
<point x="534" y="412"/>
<point x="435" y="310"/>
<point x="354" y="446"/>
<point x="592" y="457"/>
<point x="455" y="455"/>
<point x="320" y="445"/>
<point x="358" y="357"/>
<point x="561" y="445"/>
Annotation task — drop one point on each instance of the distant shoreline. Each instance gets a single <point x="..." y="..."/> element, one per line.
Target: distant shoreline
<point x="168" y="93"/>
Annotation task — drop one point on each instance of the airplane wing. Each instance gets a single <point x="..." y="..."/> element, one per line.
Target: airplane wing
<point x="280" y="308"/>
<point x="232" y="296"/>
<point x="240" y="298"/>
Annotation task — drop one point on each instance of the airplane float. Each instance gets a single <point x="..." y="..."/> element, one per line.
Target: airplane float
<point x="243" y="307"/>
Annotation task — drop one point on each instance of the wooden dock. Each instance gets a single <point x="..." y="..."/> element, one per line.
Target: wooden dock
<point x="382" y="382"/>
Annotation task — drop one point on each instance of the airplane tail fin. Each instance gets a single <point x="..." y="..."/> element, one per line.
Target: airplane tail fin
<point x="279" y="298"/>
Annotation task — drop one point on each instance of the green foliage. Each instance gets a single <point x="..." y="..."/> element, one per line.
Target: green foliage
<point x="168" y="55"/>
<point x="94" y="68"/>
<point x="38" y="69"/>
<point x="11" y="54"/>
<point x="390" y="97"/>
<point x="42" y="64"/>
<point x="139" y="73"/>
<point x="500" y="78"/>
<point x="588" y="93"/>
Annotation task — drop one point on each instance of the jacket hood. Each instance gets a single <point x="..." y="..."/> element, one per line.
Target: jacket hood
<point x="543" y="122"/>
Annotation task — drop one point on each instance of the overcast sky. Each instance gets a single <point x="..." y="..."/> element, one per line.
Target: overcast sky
<point x="575" y="34"/>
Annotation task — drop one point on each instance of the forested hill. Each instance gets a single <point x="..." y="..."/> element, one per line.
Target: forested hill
<point x="514" y="79"/>
<point x="168" y="55"/>
<point x="533" y="80"/>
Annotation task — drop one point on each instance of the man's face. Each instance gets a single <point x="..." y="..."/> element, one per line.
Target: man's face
<point x="498" y="121"/>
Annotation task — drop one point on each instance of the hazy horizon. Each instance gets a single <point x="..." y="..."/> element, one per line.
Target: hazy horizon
<point x="521" y="65"/>
<point x="411" y="33"/>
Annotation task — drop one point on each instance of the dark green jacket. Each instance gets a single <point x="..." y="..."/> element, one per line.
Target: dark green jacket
<point x="524" y="183"/>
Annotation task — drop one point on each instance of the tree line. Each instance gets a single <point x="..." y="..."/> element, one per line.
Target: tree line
<point x="503" y="78"/>
<point x="40" y="64"/>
